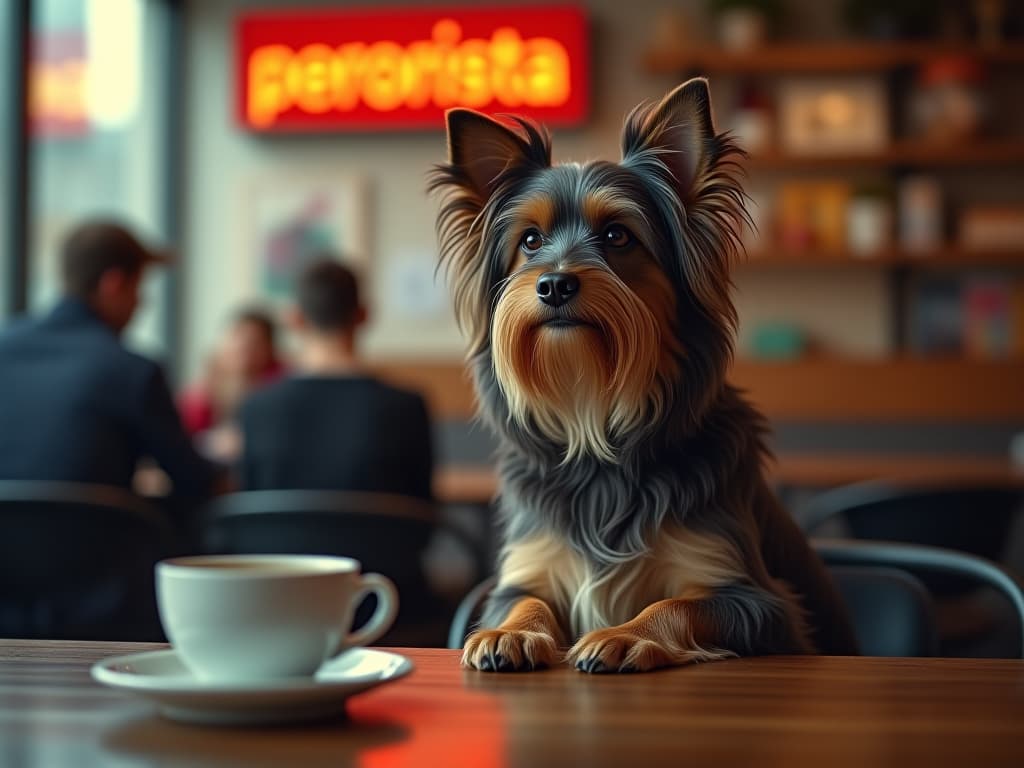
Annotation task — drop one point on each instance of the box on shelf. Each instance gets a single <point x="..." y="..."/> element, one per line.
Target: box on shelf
<point x="980" y="316"/>
<point x="812" y="215"/>
<point x="936" y="320"/>
<point x="987" y="317"/>
<point x="992" y="227"/>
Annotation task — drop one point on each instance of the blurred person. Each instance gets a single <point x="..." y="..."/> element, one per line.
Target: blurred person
<point x="332" y="425"/>
<point x="76" y="405"/>
<point x="245" y="359"/>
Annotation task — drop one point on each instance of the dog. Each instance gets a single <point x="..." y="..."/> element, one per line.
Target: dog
<point x="639" y="529"/>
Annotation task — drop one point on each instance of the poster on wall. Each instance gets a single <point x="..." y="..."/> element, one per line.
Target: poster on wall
<point x="295" y="221"/>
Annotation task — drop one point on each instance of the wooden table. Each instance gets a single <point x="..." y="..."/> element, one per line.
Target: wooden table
<point x="792" y="712"/>
<point x="477" y="484"/>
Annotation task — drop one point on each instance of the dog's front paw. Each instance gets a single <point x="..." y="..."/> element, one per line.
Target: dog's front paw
<point x="617" y="649"/>
<point x="509" y="650"/>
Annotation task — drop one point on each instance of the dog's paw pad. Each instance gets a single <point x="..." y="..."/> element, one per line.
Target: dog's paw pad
<point x="496" y="650"/>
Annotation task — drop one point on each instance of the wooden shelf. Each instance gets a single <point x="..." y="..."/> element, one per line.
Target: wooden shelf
<point x="897" y="390"/>
<point x="901" y="153"/>
<point x="818" y="389"/>
<point x="950" y="257"/>
<point x="842" y="56"/>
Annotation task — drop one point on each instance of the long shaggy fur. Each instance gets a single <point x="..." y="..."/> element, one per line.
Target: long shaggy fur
<point x="631" y="471"/>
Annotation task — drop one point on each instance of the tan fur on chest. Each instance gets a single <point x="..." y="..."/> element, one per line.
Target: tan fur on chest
<point x="681" y="564"/>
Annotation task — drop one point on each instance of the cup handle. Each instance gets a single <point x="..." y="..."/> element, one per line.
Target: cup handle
<point x="383" y="617"/>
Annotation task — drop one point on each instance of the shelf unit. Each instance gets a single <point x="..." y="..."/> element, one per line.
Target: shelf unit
<point x="901" y="387"/>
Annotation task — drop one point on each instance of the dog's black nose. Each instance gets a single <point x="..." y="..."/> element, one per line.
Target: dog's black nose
<point x="557" y="288"/>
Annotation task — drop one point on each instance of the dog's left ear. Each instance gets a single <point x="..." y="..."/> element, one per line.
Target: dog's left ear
<point x="679" y="129"/>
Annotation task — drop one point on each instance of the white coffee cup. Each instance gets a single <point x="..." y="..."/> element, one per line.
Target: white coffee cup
<point x="248" y="618"/>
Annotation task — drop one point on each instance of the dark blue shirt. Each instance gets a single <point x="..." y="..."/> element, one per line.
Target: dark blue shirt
<point x="347" y="433"/>
<point x="76" y="406"/>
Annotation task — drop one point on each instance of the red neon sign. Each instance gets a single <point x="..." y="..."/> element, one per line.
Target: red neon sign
<point x="402" y="68"/>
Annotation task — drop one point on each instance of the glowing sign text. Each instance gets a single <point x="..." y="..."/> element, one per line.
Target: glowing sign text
<point x="309" y="80"/>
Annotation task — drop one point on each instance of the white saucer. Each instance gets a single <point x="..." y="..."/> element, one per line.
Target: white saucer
<point x="162" y="677"/>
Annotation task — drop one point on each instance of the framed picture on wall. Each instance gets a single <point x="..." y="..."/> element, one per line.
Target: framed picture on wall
<point x="295" y="219"/>
<point x="833" y="115"/>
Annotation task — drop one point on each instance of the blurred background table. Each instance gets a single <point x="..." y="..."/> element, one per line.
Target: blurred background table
<point x="813" y="711"/>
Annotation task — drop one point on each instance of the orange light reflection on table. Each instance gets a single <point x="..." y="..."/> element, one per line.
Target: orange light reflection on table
<point x="475" y="739"/>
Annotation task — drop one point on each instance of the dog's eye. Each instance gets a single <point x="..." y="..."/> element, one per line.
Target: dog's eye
<point x="531" y="241"/>
<point x="617" y="236"/>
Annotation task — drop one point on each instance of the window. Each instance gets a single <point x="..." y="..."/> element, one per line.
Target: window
<point x="98" y="85"/>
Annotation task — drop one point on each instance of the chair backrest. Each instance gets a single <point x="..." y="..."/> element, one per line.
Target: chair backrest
<point x="969" y="519"/>
<point x="76" y="561"/>
<point x="891" y="610"/>
<point x="387" y="533"/>
<point x="975" y="520"/>
<point x="919" y="559"/>
<point x="468" y="612"/>
<point x="889" y="606"/>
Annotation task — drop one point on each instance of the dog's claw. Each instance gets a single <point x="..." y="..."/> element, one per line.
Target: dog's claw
<point x="591" y="664"/>
<point x="496" y="662"/>
<point x="501" y="664"/>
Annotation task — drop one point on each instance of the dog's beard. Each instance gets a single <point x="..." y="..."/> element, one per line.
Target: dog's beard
<point x="586" y="385"/>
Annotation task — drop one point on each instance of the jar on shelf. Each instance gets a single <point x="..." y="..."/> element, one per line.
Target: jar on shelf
<point x="742" y="25"/>
<point x="949" y="103"/>
<point x="869" y="221"/>
<point x="920" y="214"/>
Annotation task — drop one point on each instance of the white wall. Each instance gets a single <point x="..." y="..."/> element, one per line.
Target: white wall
<point x="221" y="161"/>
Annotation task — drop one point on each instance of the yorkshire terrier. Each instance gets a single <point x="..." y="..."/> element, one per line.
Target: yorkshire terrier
<point x="639" y="528"/>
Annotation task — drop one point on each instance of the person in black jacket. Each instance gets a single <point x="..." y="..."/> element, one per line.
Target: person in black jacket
<point x="75" y="405"/>
<point x="332" y="425"/>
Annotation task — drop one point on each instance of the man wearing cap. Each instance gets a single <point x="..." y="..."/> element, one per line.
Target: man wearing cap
<point x="75" y="405"/>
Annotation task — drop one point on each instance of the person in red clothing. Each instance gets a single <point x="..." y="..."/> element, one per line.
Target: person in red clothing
<point x="245" y="360"/>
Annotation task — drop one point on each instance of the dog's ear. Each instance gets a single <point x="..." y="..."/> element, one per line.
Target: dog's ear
<point x="482" y="149"/>
<point x="680" y="130"/>
<point x="693" y="176"/>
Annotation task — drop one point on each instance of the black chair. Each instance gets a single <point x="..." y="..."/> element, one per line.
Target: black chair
<point x="893" y="613"/>
<point x="975" y="520"/>
<point x="76" y="562"/>
<point x="387" y="533"/>
<point x="925" y="563"/>
<point x="890" y="608"/>
<point x="972" y="520"/>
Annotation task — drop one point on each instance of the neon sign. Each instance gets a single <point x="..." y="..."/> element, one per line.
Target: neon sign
<point x="401" y="69"/>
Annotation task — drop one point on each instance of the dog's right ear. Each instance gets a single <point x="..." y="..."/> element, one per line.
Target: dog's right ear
<point x="482" y="149"/>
